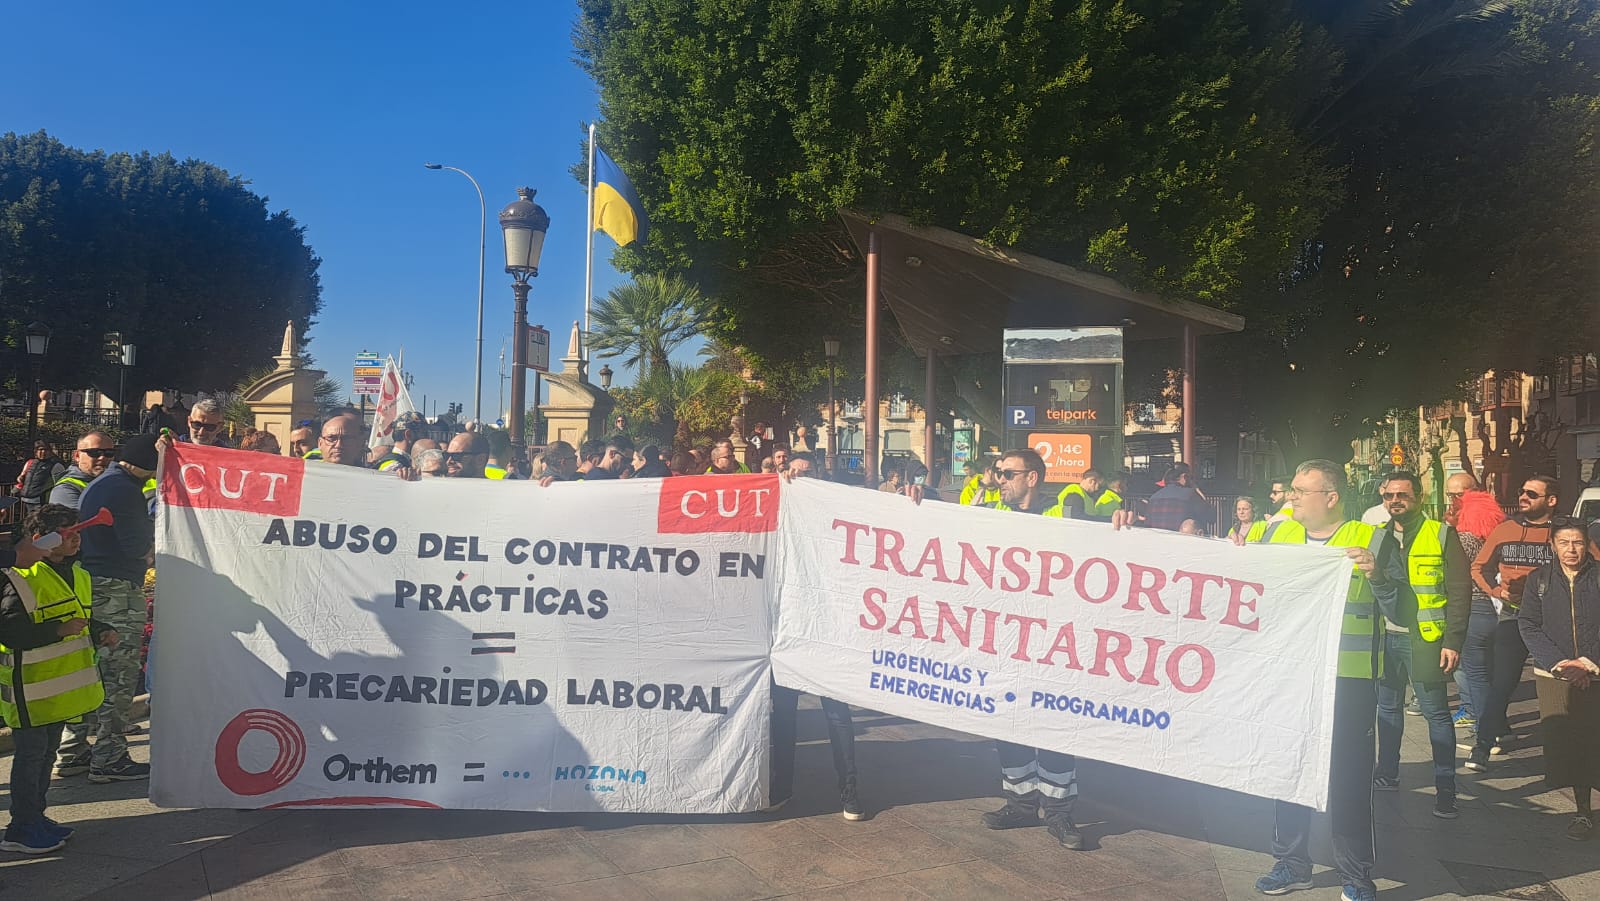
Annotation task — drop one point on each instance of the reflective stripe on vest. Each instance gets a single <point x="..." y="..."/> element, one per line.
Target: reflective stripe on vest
<point x="59" y="681"/>
<point x="1425" y="561"/>
<point x="1054" y="511"/>
<point x="72" y="480"/>
<point x="1361" y="630"/>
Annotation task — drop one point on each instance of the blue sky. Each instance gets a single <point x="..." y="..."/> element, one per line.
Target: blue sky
<point x="330" y="110"/>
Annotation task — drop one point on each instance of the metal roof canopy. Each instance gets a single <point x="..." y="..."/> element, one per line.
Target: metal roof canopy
<point x="954" y="294"/>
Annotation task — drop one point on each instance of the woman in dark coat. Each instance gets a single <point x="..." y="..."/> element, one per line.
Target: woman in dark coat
<point x="1560" y="622"/>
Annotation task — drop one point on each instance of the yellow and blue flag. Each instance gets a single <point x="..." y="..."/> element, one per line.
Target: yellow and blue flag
<point x="617" y="210"/>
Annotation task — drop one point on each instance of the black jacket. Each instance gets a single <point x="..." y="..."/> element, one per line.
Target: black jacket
<point x="1559" y="618"/>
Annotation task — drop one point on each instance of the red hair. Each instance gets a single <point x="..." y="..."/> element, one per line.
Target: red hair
<point x="1479" y="514"/>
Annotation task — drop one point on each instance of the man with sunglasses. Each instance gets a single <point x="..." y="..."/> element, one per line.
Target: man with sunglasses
<point x="1032" y="780"/>
<point x="467" y="456"/>
<point x="1424" y="654"/>
<point x="1511" y="553"/>
<point x="95" y="452"/>
<point x="205" y="424"/>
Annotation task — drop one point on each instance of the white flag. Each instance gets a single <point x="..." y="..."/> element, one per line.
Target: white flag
<point x="393" y="402"/>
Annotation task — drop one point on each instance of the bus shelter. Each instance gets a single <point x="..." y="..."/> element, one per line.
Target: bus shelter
<point x="953" y="294"/>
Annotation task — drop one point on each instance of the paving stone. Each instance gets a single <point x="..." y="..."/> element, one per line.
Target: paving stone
<point x="546" y="864"/>
<point x="810" y="865"/>
<point x="181" y="880"/>
<point x="653" y="847"/>
<point x="884" y="888"/>
<point x="335" y="887"/>
<point x="234" y="863"/>
<point x="610" y="888"/>
<point x="976" y="879"/>
<point x="723" y="879"/>
<point x="436" y="880"/>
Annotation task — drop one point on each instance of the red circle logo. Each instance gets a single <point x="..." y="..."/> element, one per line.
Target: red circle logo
<point x="291" y="752"/>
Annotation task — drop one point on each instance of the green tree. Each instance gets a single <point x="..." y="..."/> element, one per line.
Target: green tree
<point x="179" y="256"/>
<point x="1149" y="140"/>
<point x="644" y="320"/>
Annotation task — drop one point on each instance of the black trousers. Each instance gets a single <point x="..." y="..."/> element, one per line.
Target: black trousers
<point x="1355" y="710"/>
<point x="841" y="737"/>
<point x="1038" y="779"/>
<point x="30" y="771"/>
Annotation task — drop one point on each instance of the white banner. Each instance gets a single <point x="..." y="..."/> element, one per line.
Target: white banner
<point x="1154" y="650"/>
<point x="334" y="636"/>
<point x="394" y="401"/>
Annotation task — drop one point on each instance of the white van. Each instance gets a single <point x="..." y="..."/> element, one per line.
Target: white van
<point x="1588" y="506"/>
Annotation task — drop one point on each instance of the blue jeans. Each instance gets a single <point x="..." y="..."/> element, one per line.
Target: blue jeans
<point x="30" y="771"/>
<point x="1435" y="706"/>
<point x="1349" y="794"/>
<point x="1472" y="676"/>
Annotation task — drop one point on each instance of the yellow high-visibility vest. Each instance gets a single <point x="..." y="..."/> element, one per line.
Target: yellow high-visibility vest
<point x="59" y="681"/>
<point x="1361" y="631"/>
<point x="1425" y="562"/>
<point x="970" y="490"/>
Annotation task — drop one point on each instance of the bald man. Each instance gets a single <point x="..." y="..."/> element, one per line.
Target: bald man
<point x="1454" y="487"/>
<point x="343" y="441"/>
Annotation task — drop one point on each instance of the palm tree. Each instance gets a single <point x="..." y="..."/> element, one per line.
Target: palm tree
<point x="690" y="399"/>
<point x="646" y="319"/>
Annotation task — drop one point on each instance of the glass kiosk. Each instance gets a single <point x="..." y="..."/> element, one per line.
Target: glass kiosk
<point x="1062" y="391"/>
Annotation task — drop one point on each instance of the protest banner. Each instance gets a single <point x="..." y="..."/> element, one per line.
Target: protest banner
<point x="1164" y="652"/>
<point x="330" y="636"/>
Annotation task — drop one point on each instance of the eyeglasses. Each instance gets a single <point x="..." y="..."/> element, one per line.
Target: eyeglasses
<point x="1455" y="495"/>
<point x="1395" y="495"/>
<point x="458" y="456"/>
<point x="98" y="452"/>
<point x="1302" y="492"/>
<point x="1533" y="495"/>
<point x="203" y="426"/>
<point x="336" y="439"/>
<point x="1009" y="474"/>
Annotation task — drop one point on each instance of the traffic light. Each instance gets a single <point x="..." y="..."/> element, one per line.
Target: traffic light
<point x="113" y="347"/>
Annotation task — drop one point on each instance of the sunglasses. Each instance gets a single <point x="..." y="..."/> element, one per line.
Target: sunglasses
<point x="203" y="426"/>
<point x="1395" y="495"/>
<point x="458" y="456"/>
<point x="335" y="439"/>
<point x="1009" y="474"/>
<point x="98" y="452"/>
<point x="1533" y="496"/>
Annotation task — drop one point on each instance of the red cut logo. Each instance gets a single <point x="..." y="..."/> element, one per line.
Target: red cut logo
<point x="216" y="478"/>
<point x="718" y="504"/>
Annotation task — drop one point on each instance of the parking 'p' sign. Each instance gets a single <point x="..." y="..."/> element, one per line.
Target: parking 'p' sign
<point x="1019" y="416"/>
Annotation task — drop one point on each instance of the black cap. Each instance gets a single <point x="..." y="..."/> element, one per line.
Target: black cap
<point x="140" y="450"/>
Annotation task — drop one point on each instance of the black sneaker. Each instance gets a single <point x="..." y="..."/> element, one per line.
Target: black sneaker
<point x="1385" y="784"/>
<point x="850" y="801"/>
<point x="124" y="770"/>
<point x="1066" y="832"/>
<point x="1582" y="827"/>
<point x="72" y="766"/>
<point x="1478" y="762"/>
<point x="1444" y="807"/>
<point x="1011" y="816"/>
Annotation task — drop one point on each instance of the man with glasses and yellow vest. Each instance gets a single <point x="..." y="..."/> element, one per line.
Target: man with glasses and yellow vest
<point x="1425" y="654"/>
<point x="1379" y="590"/>
<point x="47" y="672"/>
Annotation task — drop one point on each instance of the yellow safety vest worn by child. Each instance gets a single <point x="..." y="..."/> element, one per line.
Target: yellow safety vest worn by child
<point x="45" y="678"/>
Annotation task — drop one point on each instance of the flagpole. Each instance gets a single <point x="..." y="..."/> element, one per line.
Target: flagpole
<point x="588" y="262"/>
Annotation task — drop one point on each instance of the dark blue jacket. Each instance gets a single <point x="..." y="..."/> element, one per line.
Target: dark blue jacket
<point x="117" y="551"/>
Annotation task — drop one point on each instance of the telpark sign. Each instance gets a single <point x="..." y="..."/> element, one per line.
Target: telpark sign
<point x="335" y="637"/>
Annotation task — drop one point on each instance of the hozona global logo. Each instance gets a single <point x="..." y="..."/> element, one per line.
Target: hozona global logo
<point x="291" y="752"/>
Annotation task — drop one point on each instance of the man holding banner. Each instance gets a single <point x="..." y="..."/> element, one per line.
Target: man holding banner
<point x="1033" y="780"/>
<point x="1378" y="589"/>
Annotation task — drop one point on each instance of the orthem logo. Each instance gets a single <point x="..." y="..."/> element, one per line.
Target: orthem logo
<point x="743" y="503"/>
<point x="291" y="752"/>
<point x="215" y="478"/>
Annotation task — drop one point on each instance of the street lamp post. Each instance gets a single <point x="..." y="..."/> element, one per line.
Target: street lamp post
<point x="37" y="338"/>
<point x="605" y="378"/>
<point x="483" y="226"/>
<point x="830" y="349"/>
<point x="523" y="223"/>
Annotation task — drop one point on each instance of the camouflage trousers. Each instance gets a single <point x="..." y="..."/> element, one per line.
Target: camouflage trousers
<point x="119" y="604"/>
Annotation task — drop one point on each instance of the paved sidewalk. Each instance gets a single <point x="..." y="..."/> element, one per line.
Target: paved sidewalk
<point x="1150" y="838"/>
